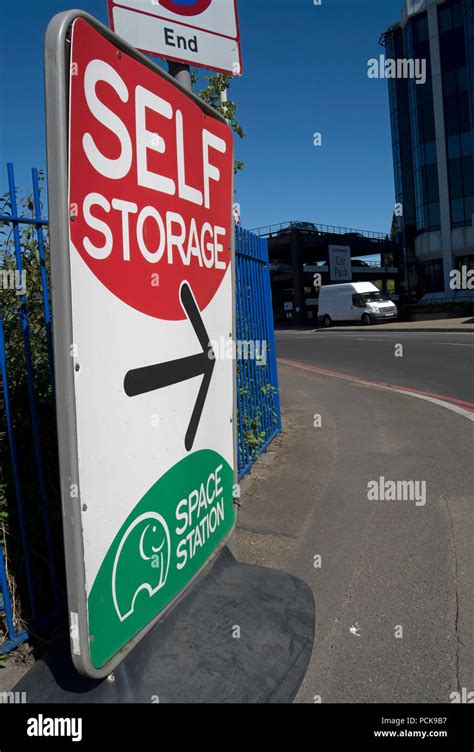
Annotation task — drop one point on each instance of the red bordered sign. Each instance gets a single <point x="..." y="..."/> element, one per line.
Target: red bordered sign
<point x="204" y="33"/>
<point x="143" y="296"/>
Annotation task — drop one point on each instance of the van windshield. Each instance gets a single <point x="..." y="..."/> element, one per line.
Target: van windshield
<point x="372" y="297"/>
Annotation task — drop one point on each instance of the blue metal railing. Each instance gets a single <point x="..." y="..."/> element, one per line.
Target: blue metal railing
<point x="14" y="636"/>
<point x="11" y="218"/>
<point x="15" y="220"/>
<point x="258" y="400"/>
<point x="258" y="404"/>
<point x="367" y="265"/>
<point x="269" y="230"/>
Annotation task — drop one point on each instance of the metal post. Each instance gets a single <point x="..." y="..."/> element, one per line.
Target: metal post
<point x="298" y="277"/>
<point x="6" y="602"/>
<point x="182" y="73"/>
<point x="223" y="99"/>
<point x="44" y="277"/>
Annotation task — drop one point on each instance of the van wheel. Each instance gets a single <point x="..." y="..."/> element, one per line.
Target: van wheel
<point x="366" y="320"/>
<point x="327" y="322"/>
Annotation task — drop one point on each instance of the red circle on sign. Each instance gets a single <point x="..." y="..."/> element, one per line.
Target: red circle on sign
<point x="199" y="6"/>
<point x="166" y="219"/>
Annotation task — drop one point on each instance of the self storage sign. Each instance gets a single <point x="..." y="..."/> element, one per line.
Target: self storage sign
<point x="150" y="255"/>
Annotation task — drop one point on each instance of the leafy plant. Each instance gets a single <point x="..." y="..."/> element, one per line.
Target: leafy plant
<point x="217" y="84"/>
<point x="22" y="316"/>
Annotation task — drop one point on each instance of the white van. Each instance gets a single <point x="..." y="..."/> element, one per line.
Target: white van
<point x="354" y="301"/>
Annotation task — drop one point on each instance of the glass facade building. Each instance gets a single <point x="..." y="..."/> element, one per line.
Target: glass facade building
<point x="432" y="133"/>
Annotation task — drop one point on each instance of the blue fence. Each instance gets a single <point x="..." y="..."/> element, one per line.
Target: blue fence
<point x="29" y="495"/>
<point x="258" y="400"/>
<point x="30" y="513"/>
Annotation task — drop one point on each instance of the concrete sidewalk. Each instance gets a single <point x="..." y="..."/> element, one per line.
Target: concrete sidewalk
<point x="463" y="324"/>
<point x="395" y="619"/>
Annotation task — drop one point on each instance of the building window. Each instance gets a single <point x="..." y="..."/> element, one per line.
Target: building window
<point x="454" y="146"/>
<point x="462" y="210"/>
<point x="456" y="109"/>
<point x="466" y="143"/>
<point x="450" y="16"/>
<point x="420" y="28"/>
<point x="460" y="145"/>
<point x="430" y="183"/>
<point x="434" y="215"/>
<point x="457" y="212"/>
<point x="468" y="208"/>
<point x="455" y="178"/>
<point x="467" y="176"/>
<point x="456" y="113"/>
<point x="430" y="153"/>
<point x="453" y="50"/>
<point x="455" y="82"/>
<point x="432" y="272"/>
<point x="465" y="261"/>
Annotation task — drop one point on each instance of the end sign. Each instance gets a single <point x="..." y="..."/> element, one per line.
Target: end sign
<point x="141" y="286"/>
<point x="204" y="33"/>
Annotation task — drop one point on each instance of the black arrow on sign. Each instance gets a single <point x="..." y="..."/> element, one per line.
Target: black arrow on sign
<point x="150" y="378"/>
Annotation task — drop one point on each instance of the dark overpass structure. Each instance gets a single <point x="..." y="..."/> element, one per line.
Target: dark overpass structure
<point x="300" y="250"/>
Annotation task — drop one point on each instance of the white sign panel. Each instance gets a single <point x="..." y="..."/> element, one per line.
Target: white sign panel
<point x="340" y="265"/>
<point x="204" y="33"/>
<point x="145" y="276"/>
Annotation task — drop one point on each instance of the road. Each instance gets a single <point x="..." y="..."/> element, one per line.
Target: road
<point x="437" y="362"/>
<point x="393" y="584"/>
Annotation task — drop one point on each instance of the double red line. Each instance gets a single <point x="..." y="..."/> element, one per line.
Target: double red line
<point x="468" y="406"/>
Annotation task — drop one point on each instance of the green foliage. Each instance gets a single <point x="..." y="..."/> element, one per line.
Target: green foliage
<point x="14" y="309"/>
<point x="253" y="436"/>
<point x="253" y="416"/>
<point x="217" y="84"/>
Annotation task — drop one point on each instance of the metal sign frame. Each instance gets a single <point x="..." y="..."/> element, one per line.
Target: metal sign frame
<point x="57" y="62"/>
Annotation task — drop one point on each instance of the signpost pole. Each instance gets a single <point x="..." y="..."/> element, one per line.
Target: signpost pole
<point x="181" y="72"/>
<point x="224" y="96"/>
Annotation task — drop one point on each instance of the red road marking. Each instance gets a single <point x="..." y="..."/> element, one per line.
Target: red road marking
<point x="468" y="406"/>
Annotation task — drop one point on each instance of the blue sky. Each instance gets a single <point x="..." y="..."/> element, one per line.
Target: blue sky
<point x="305" y="71"/>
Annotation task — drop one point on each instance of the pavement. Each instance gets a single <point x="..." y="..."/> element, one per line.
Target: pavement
<point x="393" y="586"/>
<point x="14" y="665"/>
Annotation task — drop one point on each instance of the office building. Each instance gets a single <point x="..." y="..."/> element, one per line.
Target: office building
<point x="432" y="135"/>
